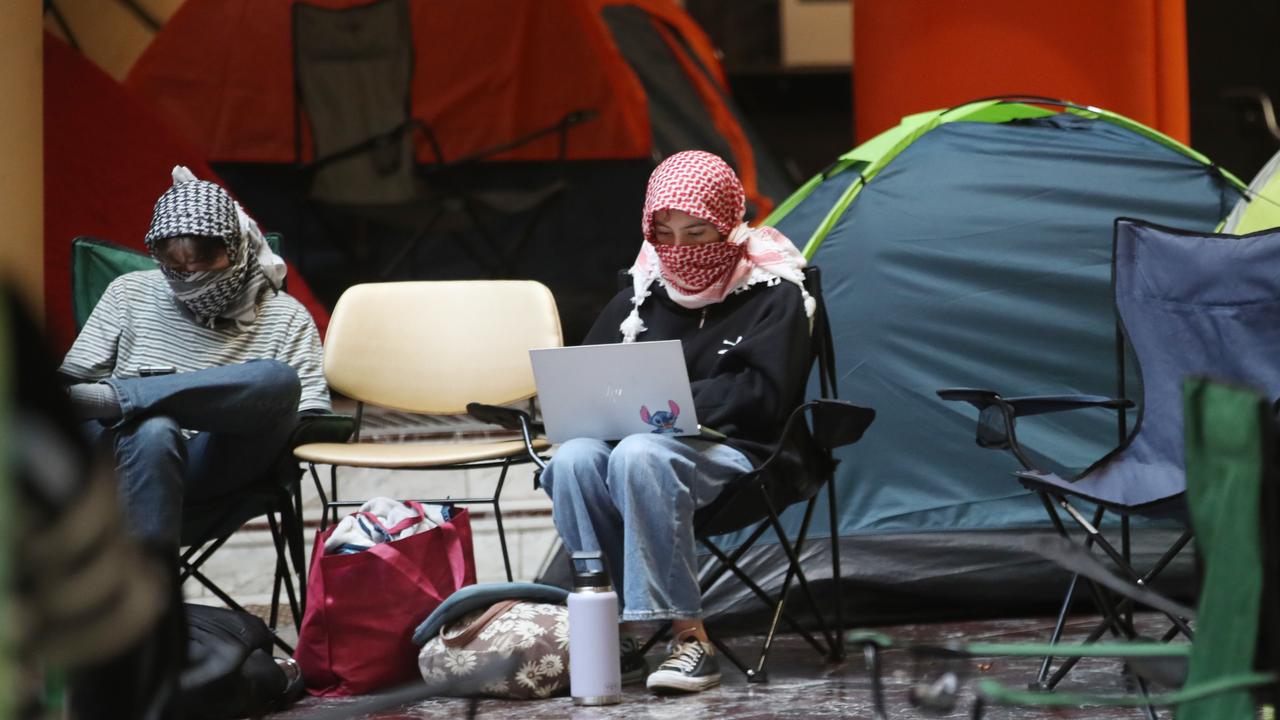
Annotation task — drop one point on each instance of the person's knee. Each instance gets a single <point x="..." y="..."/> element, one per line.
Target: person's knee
<point x="642" y="462"/>
<point x="156" y="433"/>
<point x="578" y="462"/>
<point x="276" y="380"/>
<point x="154" y="441"/>
<point x="642" y="450"/>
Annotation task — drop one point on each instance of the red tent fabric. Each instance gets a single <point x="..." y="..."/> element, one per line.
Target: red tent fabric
<point x="487" y="71"/>
<point x="107" y="157"/>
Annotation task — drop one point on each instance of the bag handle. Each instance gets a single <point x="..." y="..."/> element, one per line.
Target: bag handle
<point x="466" y="636"/>
<point x="401" y="526"/>
<point x="411" y="570"/>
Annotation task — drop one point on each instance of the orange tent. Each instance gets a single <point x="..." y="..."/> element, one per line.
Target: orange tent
<point x="487" y="71"/>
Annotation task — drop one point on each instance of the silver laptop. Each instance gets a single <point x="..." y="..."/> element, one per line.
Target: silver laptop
<point x="610" y="391"/>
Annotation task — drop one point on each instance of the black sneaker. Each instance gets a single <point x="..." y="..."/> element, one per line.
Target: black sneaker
<point x="634" y="666"/>
<point x="692" y="667"/>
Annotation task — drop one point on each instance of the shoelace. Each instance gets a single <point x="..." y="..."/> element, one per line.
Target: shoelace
<point x="686" y="658"/>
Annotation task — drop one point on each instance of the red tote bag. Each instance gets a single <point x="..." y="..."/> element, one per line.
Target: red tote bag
<point x="362" y="608"/>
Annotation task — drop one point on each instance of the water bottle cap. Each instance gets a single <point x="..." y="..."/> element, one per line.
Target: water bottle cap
<point x="591" y="580"/>
<point x="589" y="571"/>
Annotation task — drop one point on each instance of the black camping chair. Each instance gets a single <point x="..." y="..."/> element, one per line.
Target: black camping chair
<point x="353" y="76"/>
<point x="751" y="501"/>
<point x="207" y="525"/>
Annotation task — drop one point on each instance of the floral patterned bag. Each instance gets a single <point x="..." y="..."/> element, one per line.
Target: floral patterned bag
<point x="514" y="649"/>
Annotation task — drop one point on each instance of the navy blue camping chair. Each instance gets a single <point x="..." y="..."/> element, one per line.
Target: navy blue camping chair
<point x="1187" y="303"/>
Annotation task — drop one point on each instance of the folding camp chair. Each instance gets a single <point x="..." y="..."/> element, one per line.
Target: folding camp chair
<point x="208" y="524"/>
<point x="750" y="501"/>
<point x="353" y="78"/>
<point x="1181" y="316"/>
<point x="1230" y="669"/>
<point x="432" y="348"/>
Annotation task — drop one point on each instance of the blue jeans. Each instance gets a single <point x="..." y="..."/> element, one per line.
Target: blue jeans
<point x="634" y="501"/>
<point x="244" y="415"/>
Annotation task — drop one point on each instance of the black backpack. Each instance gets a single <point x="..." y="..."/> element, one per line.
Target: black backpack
<point x="230" y="672"/>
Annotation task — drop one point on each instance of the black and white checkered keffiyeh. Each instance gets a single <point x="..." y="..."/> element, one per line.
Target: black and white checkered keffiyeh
<point x="203" y="209"/>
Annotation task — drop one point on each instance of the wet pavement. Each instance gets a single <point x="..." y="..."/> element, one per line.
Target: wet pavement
<point x="801" y="684"/>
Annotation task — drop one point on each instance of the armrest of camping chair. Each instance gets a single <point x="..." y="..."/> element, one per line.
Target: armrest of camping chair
<point x="1031" y="404"/>
<point x="836" y="423"/>
<point x="512" y="419"/>
<point x="322" y="428"/>
<point x="997" y="415"/>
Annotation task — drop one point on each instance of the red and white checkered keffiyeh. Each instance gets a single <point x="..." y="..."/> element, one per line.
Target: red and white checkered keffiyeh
<point x="704" y="186"/>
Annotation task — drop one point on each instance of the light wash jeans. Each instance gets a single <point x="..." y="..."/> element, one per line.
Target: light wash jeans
<point x="244" y="414"/>
<point x="634" y="501"/>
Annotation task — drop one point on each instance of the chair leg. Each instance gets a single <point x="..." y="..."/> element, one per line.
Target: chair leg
<point x="871" y="657"/>
<point x="1047" y="664"/>
<point x="720" y="568"/>
<point x="281" y="541"/>
<point x="497" y="516"/>
<point x="752" y="675"/>
<point x="837" y="653"/>
<point x="764" y="597"/>
<point x="792" y="571"/>
<point x="794" y="559"/>
<point x="295" y="545"/>
<point x="333" y="493"/>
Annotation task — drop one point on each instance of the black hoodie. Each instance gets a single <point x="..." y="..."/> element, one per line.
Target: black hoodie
<point x="748" y="359"/>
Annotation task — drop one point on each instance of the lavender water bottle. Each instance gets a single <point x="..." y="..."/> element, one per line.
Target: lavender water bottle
<point x="595" y="677"/>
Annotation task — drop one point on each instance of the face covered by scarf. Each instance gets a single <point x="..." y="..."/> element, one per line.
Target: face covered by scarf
<point x="703" y="186"/>
<point x="197" y="208"/>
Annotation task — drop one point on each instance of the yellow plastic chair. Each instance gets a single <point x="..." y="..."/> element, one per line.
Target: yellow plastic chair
<point x="432" y="348"/>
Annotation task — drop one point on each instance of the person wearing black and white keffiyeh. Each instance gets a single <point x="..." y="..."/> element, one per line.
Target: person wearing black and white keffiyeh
<point x="195" y="372"/>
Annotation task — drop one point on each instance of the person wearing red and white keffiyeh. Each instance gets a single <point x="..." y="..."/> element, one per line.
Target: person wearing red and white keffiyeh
<point x="734" y="296"/>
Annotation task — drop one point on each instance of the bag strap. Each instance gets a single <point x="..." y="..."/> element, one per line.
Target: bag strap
<point x="401" y="526"/>
<point x="466" y="636"/>
<point x="410" y="569"/>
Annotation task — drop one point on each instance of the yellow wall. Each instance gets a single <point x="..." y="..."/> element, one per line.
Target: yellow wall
<point x="817" y="33"/>
<point x="22" y="150"/>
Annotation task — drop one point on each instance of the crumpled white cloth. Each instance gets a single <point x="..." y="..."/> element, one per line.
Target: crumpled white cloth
<point x="356" y="531"/>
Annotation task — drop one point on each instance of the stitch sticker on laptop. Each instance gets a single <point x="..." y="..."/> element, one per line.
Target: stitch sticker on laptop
<point x="663" y="422"/>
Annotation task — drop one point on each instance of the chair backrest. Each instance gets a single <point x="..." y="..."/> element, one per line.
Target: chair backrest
<point x="353" y="72"/>
<point x="1230" y="458"/>
<point x="433" y="347"/>
<point x="94" y="264"/>
<point x="1189" y="304"/>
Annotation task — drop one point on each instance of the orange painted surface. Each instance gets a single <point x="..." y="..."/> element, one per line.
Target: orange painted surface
<point x="1128" y="56"/>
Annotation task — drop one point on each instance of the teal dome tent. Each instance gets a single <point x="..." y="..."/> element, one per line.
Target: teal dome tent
<point x="971" y="247"/>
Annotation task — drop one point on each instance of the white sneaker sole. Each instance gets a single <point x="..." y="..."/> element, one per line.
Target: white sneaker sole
<point x="666" y="681"/>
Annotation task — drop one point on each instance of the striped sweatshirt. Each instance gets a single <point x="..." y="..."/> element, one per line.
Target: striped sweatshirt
<point x="139" y="323"/>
